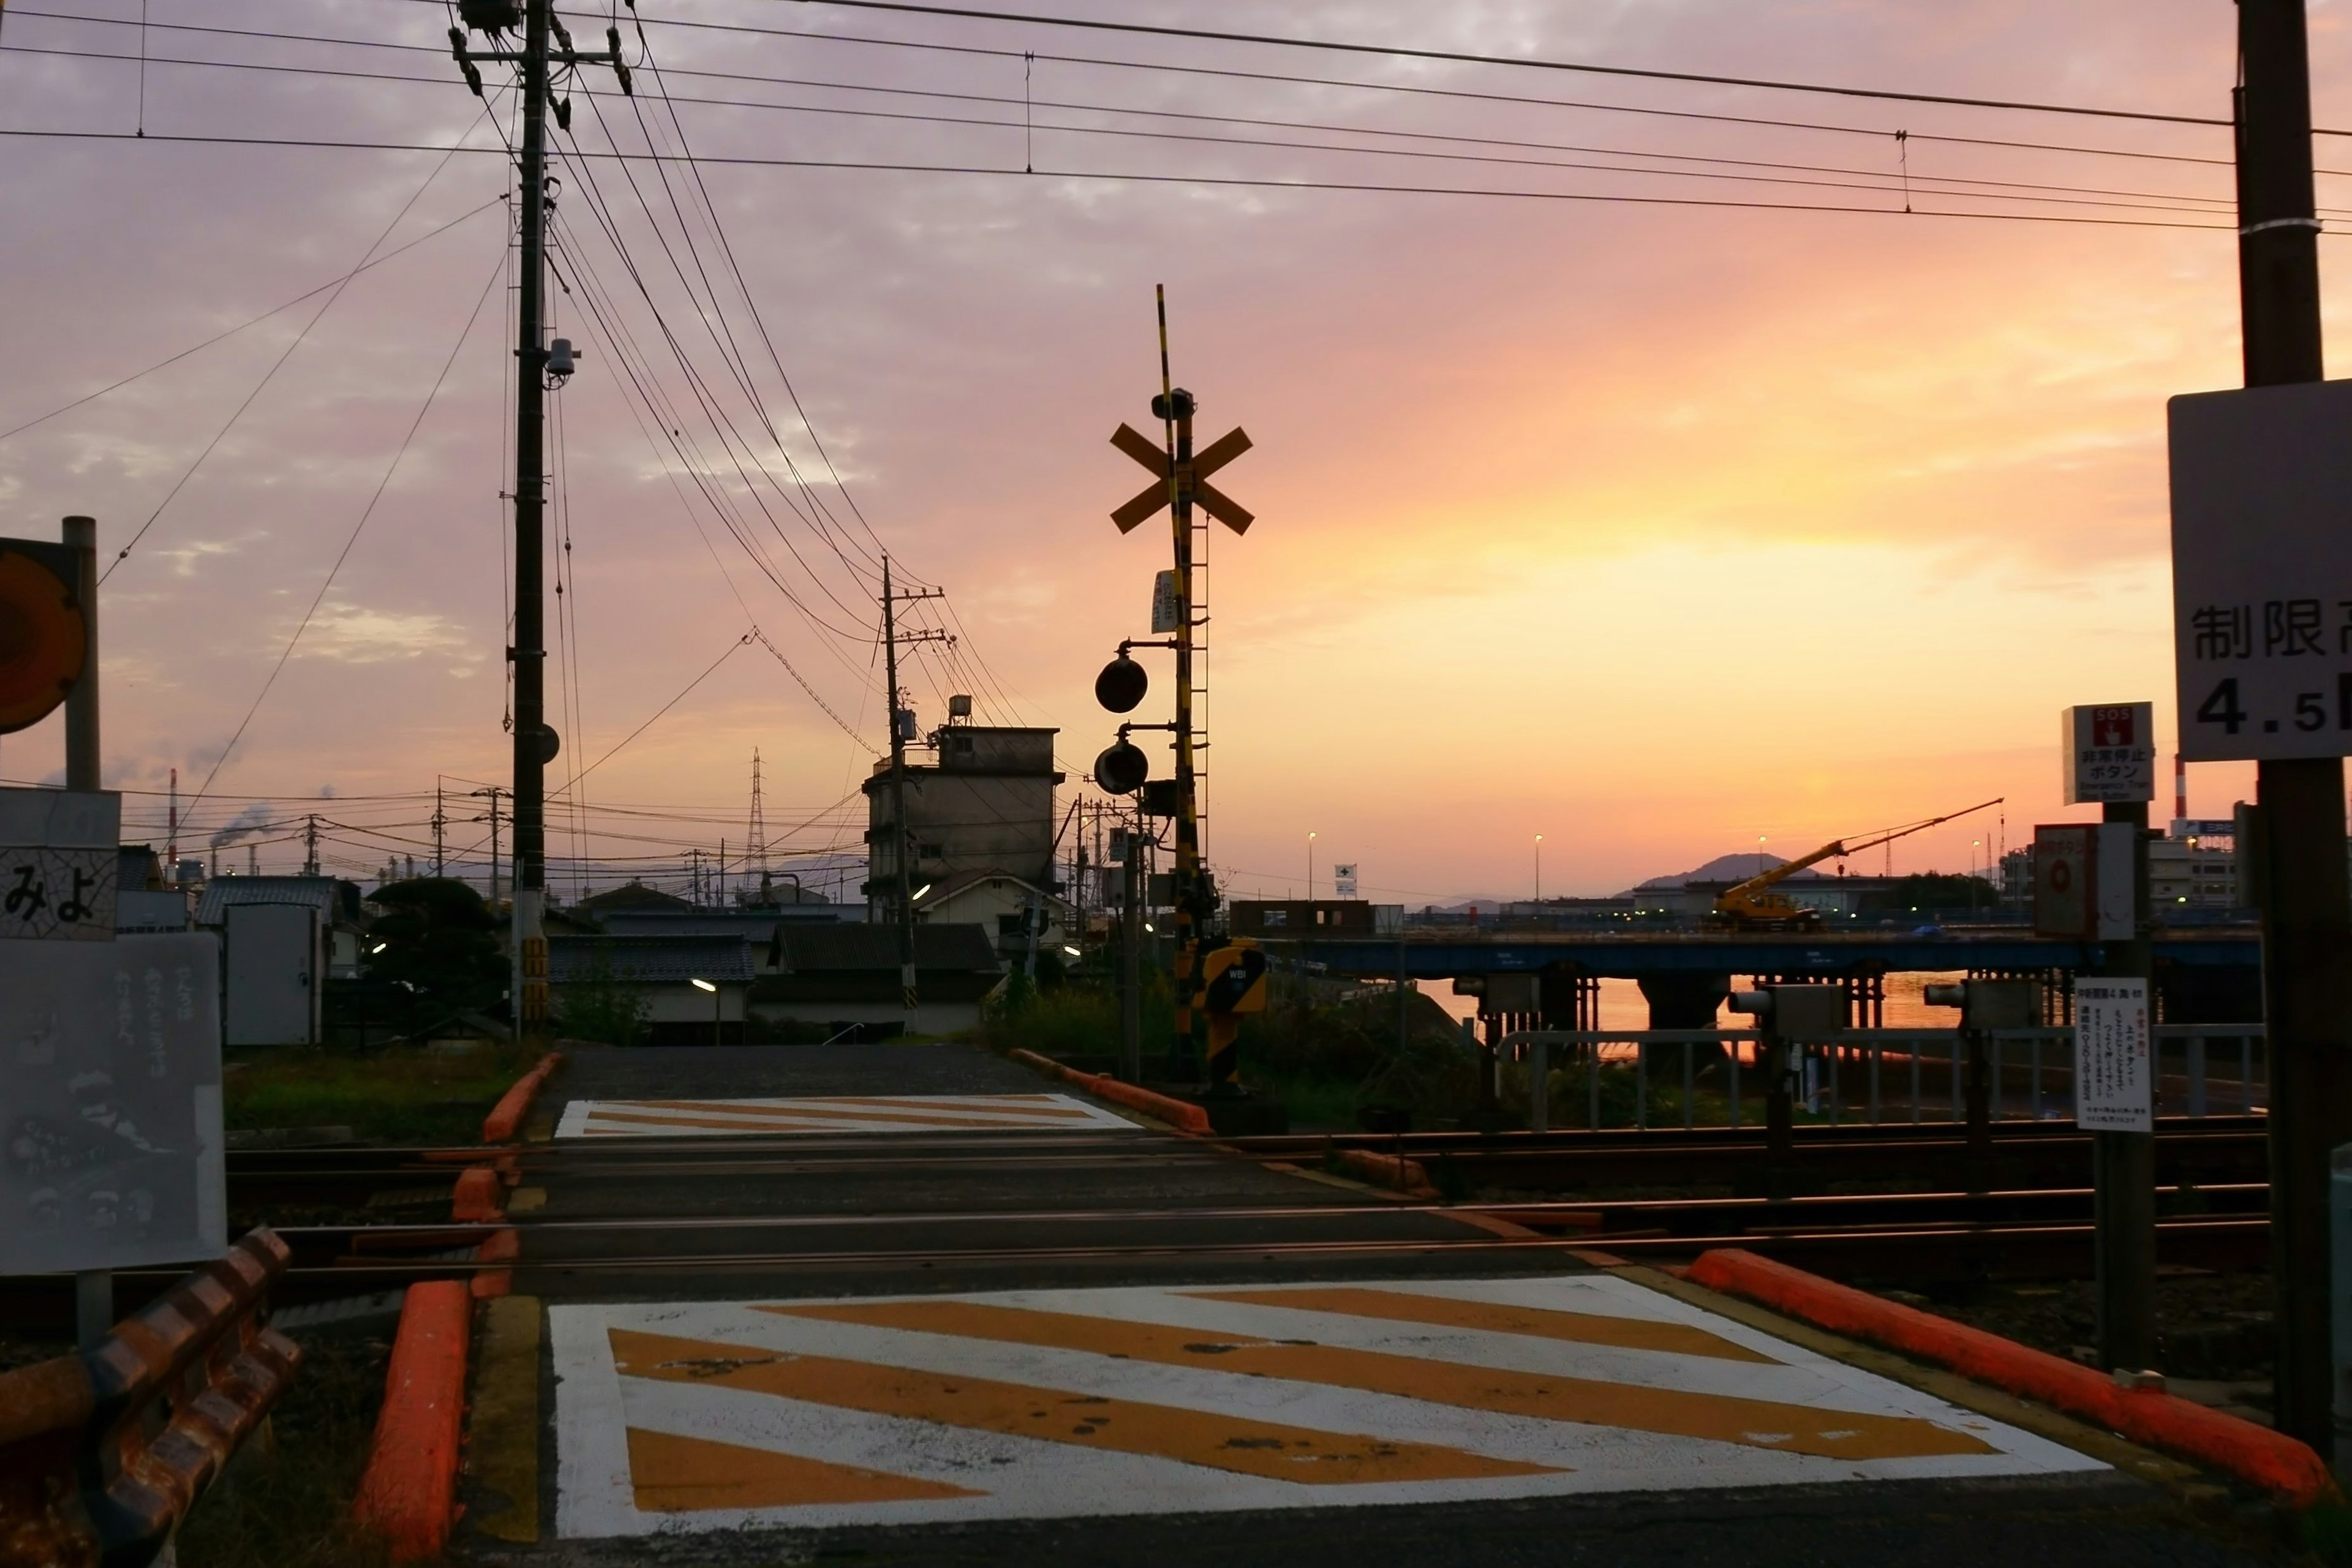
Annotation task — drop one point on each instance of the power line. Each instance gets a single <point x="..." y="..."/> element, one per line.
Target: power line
<point x="251" y="321"/>
<point x="1458" y="57"/>
<point x="1982" y="188"/>
<point x="1235" y="182"/>
<point x="279" y="363"/>
<point x="731" y="649"/>
<point x="424" y="408"/>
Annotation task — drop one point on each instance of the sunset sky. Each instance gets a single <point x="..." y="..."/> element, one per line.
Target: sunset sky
<point x="1651" y="528"/>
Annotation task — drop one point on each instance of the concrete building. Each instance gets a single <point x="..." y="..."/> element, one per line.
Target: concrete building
<point x="984" y="804"/>
<point x="2195" y="867"/>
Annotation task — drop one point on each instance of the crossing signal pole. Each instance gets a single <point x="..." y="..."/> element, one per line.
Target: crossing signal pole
<point x="2299" y="845"/>
<point x="546" y="50"/>
<point x="1182" y="479"/>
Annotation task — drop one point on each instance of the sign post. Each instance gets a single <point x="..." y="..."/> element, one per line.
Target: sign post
<point x="2110" y="760"/>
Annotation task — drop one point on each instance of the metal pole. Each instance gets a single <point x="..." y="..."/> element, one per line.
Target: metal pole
<point x="2306" y="910"/>
<point x="1130" y="960"/>
<point x="93" y="1287"/>
<point x="902" y="850"/>
<point x="2123" y="1165"/>
<point x="530" y="653"/>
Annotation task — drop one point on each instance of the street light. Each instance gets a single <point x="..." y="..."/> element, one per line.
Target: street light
<point x="1310" y="868"/>
<point x="718" y="1006"/>
<point x="1073" y="951"/>
<point x="1538" y="872"/>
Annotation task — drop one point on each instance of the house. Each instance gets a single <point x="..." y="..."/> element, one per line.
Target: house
<point x="985" y="803"/>
<point x="845" y="977"/>
<point x="692" y="987"/>
<point x="1000" y="903"/>
<point x="340" y="921"/>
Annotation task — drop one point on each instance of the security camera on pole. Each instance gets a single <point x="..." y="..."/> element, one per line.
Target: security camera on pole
<point x="1179" y="479"/>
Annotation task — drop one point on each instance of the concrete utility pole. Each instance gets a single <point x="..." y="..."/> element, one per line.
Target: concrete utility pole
<point x="2306" y="908"/>
<point x="1130" y="956"/>
<point x="310" y="845"/>
<point x="535" y="742"/>
<point x="440" y="828"/>
<point x="93" y="1287"/>
<point x="493" y="792"/>
<point x="902" y="854"/>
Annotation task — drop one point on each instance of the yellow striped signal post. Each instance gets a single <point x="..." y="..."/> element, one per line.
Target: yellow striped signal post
<point x="1179" y="478"/>
<point x="1233" y="982"/>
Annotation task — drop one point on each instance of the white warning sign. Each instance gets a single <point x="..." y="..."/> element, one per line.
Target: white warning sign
<point x="2115" y="1070"/>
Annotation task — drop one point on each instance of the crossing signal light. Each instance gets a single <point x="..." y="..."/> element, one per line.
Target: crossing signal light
<point x="43" y="632"/>
<point x="1122" y="768"/>
<point x="1121" y="685"/>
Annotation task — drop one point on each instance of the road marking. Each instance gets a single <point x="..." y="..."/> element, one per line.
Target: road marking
<point x="1390" y="1392"/>
<point x="835" y="1113"/>
<point x="1763" y="1424"/>
<point x="1412" y="1307"/>
<point x="671" y="1473"/>
<point x="1272" y="1450"/>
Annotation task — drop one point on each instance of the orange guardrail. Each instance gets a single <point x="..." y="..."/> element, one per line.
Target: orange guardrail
<point x="103" y="1453"/>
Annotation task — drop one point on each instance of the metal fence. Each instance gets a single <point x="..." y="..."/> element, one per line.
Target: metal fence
<point x="1707" y="1077"/>
<point x="103" y="1453"/>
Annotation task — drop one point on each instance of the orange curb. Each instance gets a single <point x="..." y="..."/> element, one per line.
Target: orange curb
<point x="504" y="1246"/>
<point x="505" y="1117"/>
<point x="2271" y="1460"/>
<point x="1387" y="1170"/>
<point x="409" y="1492"/>
<point x="1182" y="1115"/>
<point x="475" y="1200"/>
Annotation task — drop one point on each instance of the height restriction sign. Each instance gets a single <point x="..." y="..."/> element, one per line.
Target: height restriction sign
<point x="2261" y="572"/>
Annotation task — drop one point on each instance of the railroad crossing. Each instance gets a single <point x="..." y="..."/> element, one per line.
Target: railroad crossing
<point x="900" y="1302"/>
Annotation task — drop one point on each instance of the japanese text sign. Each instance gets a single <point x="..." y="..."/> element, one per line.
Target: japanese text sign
<point x="112" y="1144"/>
<point x="2110" y="751"/>
<point x="2261" y="572"/>
<point x="58" y="857"/>
<point x="2114" y="1079"/>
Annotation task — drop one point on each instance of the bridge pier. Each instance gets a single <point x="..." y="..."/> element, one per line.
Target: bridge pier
<point x="1680" y="999"/>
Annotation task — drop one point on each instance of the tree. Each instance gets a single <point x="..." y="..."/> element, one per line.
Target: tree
<point x="437" y="936"/>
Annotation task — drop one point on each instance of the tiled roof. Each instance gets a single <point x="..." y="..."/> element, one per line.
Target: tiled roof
<point x="647" y="959"/>
<point x="821" y="949"/>
<point x="327" y="895"/>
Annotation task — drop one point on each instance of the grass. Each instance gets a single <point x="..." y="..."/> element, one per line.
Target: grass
<point x="284" y="1501"/>
<point x="402" y="1094"/>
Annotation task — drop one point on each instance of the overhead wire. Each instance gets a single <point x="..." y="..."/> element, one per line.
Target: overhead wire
<point x="256" y="321"/>
<point x="357" y="528"/>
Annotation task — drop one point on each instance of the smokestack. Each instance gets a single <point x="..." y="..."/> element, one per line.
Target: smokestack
<point x="2179" y="788"/>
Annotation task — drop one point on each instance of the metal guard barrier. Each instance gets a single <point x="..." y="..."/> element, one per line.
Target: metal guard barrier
<point x="103" y="1453"/>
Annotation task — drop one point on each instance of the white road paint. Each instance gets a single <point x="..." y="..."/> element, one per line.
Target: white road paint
<point x="817" y="1115"/>
<point x="1023" y="1476"/>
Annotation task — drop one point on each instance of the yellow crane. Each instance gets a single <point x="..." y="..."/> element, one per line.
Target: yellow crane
<point x="1753" y="905"/>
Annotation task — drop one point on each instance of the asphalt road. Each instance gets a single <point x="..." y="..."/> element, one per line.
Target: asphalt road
<point x="792" y="1219"/>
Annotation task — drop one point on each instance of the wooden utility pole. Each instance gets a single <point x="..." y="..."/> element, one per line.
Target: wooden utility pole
<point x="2299" y="832"/>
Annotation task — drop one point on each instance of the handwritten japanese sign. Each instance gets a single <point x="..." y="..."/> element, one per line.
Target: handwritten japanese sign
<point x="2261" y="572"/>
<point x="57" y="864"/>
<point x="111" y="1146"/>
<point x="2114" y="1079"/>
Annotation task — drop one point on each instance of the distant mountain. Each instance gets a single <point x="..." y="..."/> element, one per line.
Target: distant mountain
<point x="1722" y="868"/>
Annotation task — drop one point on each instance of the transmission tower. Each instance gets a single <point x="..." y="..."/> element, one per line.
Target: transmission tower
<point x="758" y="828"/>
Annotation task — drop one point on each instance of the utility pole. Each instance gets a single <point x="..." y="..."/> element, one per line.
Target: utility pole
<point x="93" y="1287"/>
<point x="2306" y="911"/>
<point x="535" y="742"/>
<point x="310" y="845"/>
<point x="1130" y="955"/>
<point x="902" y="723"/>
<point x="440" y="826"/>
<point x="493" y="792"/>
